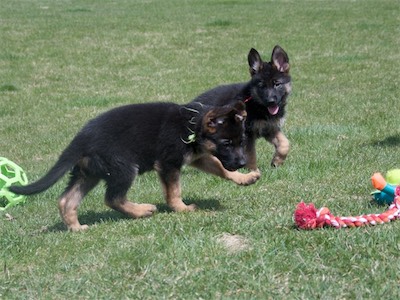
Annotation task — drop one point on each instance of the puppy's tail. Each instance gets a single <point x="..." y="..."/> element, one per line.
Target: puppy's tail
<point x="65" y="163"/>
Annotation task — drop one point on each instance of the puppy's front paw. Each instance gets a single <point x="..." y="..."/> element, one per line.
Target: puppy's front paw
<point x="277" y="161"/>
<point x="245" y="179"/>
<point x="252" y="177"/>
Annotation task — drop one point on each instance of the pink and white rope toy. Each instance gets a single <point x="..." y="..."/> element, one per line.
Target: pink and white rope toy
<point x="306" y="216"/>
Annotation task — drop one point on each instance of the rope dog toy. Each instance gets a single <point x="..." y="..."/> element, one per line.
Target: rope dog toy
<point x="306" y="216"/>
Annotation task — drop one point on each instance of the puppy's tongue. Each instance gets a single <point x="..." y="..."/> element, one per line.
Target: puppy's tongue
<point x="273" y="110"/>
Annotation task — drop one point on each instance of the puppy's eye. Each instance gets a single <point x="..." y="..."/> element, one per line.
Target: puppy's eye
<point x="277" y="84"/>
<point x="260" y="84"/>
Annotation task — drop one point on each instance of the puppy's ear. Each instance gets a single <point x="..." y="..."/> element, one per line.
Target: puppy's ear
<point x="280" y="59"/>
<point x="221" y="116"/>
<point x="210" y="122"/>
<point x="255" y="62"/>
<point x="234" y="114"/>
<point x="240" y="111"/>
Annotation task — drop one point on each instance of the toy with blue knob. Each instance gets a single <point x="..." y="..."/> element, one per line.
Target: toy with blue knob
<point x="386" y="189"/>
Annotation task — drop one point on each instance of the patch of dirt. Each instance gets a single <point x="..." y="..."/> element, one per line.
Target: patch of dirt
<point x="233" y="242"/>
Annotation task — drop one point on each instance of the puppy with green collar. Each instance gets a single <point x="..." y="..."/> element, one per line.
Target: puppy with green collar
<point x="130" y="140"/>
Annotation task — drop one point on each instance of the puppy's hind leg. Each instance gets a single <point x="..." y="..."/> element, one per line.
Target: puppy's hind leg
<point x="69" y="201"/>
<point x="117" y="188"/>
<point x="251" y="155"/>
<point x="170" y="182"/>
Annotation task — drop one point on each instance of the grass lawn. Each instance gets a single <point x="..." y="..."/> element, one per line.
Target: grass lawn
<point x="64" y="62"/>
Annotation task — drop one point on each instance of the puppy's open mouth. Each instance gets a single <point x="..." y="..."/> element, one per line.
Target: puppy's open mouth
<point x="273" y="110"/>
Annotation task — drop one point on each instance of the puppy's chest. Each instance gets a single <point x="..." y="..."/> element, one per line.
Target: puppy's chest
<point x="191" y="156"/>
<point x="263" y="127"/>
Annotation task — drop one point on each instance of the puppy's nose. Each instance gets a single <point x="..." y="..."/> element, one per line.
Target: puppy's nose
<point x="242" y="162"/>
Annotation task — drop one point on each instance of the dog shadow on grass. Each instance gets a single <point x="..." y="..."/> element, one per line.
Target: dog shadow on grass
<point x="93" y="217"/>
<point x="390" y="141"/>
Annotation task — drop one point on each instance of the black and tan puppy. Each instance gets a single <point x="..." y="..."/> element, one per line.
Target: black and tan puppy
<point x="265" y="96"/>
<point x="130" y="140"/>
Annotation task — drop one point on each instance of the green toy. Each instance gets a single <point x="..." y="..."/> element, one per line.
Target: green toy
<point x="10" y="173"/>
<point x="393" y="177"/>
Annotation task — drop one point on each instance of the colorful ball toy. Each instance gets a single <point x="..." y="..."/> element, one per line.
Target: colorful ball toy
<point x="10" y="174"/>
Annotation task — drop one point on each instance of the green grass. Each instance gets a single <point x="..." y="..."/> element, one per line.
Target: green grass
<point x="64" y="62"/>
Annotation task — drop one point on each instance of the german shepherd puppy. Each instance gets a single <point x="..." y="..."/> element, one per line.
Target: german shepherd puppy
<point x="265" y="96"/>
<point x="130" y="140"/>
